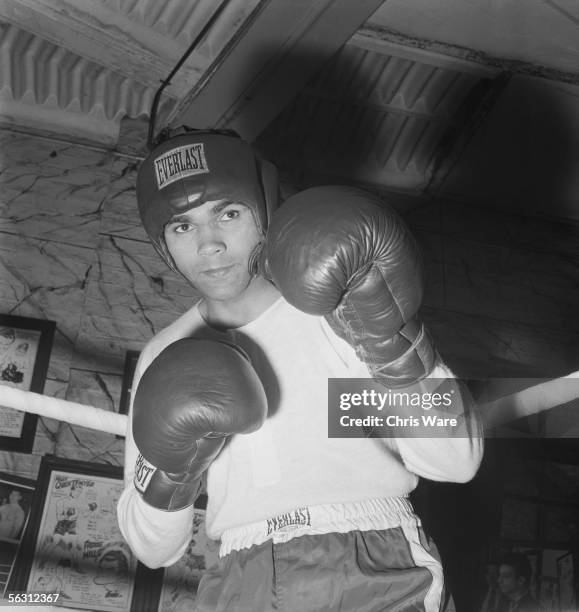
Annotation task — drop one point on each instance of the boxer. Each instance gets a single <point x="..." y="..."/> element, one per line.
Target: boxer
<point x="326" y="286"/>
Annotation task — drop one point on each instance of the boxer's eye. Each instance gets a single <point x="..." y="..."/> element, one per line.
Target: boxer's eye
<point x="230" y="214"/>
<point x="182" y="228"/>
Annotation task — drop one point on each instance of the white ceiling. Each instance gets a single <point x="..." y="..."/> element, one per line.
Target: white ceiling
<point x="473" y="99"/>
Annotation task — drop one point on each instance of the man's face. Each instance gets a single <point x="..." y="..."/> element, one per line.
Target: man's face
<point x="211" y="245"/>
<point x="6" y="338"/>
<point x="22" y="348"/>
<point x="509" y="582"/>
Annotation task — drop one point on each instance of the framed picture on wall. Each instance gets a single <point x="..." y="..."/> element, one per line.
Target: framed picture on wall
<point x="15" y="502"/>
<point x="72" y="547"/>
<point x="25" y="346"/>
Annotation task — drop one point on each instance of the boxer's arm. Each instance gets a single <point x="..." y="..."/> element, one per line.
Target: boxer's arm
<point x="344" y="254"/>
<point x="155" y="541"/>
<point x="192" y="396"/>
<point x="456" y="452"/>
<point x="452" y="458"/>
<point x="131" y="451"/>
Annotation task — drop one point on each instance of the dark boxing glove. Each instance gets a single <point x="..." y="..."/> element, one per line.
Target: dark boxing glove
<point x="342" y="253"/>
<point x="193" y="396"/>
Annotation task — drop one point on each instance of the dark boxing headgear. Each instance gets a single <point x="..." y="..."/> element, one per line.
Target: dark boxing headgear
<point x="190" y="169"/>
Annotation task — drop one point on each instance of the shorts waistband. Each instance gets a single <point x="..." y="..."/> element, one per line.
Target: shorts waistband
<point x="366" y="515"/>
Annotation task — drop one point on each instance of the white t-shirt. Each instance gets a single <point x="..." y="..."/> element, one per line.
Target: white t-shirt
<point x="290" y="461"/>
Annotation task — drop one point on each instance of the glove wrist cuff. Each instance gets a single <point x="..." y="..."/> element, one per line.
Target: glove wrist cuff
<point x="165" y="490"/>
<point x="166" y="494"/>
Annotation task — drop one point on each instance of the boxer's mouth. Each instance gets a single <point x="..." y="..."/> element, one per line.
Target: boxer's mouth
<point x="218" y="272"/>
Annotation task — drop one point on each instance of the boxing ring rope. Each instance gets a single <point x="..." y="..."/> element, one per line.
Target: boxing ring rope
<point x="527" y="402"/>
<point x="530" y="401"/>
<point x="64" y="410"/>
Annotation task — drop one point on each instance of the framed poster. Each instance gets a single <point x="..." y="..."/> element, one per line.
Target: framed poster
<point x="72" y="546"/>
<point x="15" y="502"/>
<point x="25" y="346"/>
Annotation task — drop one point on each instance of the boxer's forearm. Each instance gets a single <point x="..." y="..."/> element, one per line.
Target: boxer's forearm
<point x="442" y="459"/>
<point x="154" y="540"/>
<point x="451" y="452"/>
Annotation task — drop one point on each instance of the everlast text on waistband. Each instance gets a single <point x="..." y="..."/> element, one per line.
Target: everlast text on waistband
<point x="299" y="516"/>
<point x="179" y="163"/>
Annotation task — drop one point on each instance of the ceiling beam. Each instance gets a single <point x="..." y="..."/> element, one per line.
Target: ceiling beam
<point x="132" y="44"/>
<point x="281" y="48"/>
<point x="381" y="34"/>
